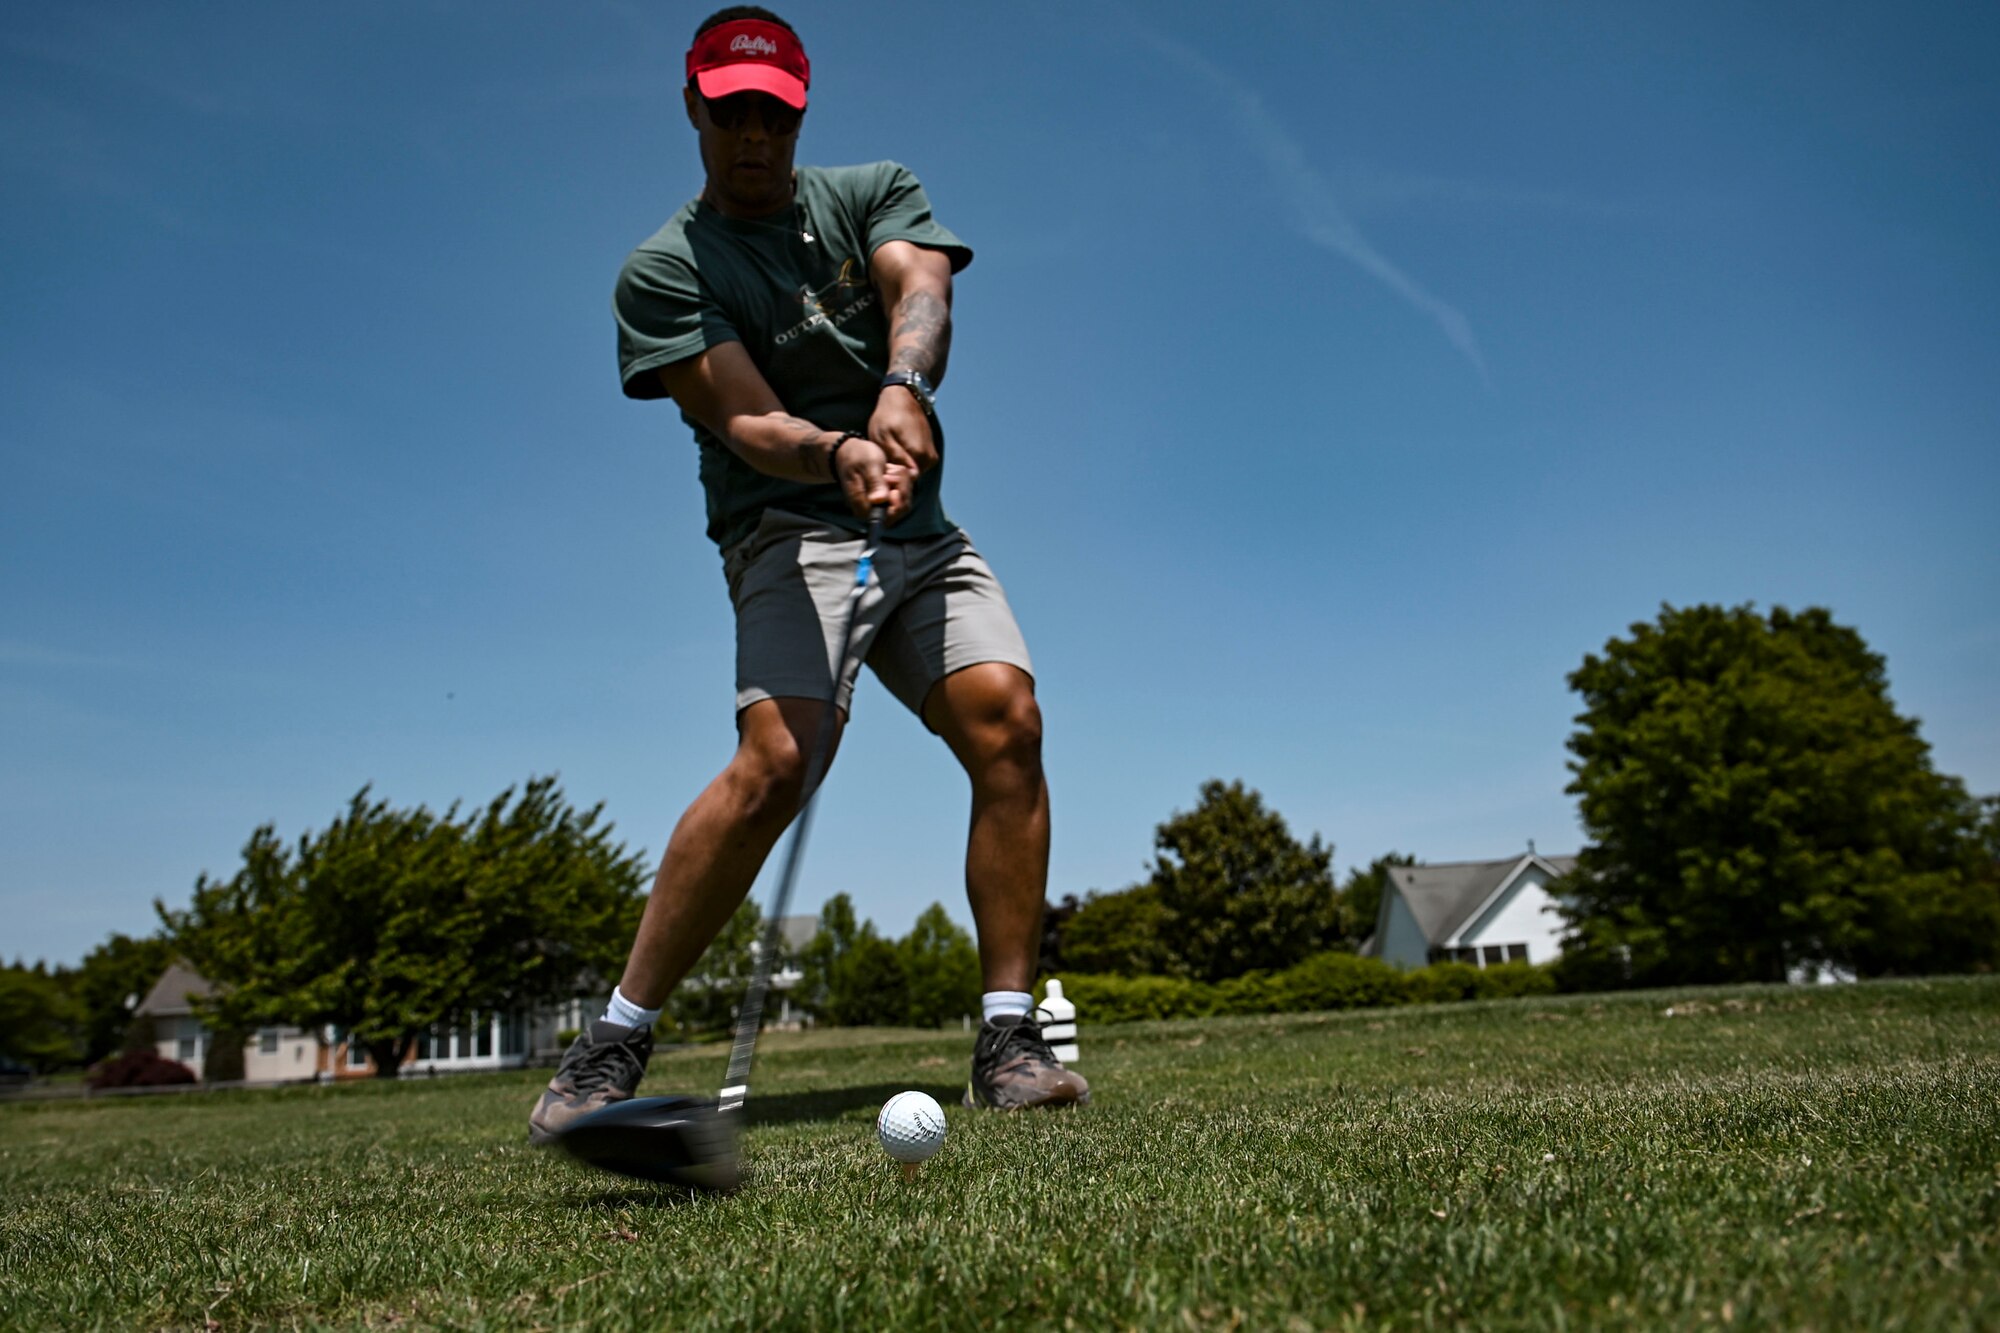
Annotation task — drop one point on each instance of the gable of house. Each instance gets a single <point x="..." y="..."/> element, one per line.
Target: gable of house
<point x="1461" y="910"/>
<point x="172" y="996"/>
<point x="1518" y="923"/>
<point x="1398" y="935"/>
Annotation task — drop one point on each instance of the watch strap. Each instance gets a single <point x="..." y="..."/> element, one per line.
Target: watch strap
<point x="920" y="388"/>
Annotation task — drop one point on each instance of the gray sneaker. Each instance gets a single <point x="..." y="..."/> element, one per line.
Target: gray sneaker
<point x="1013" y="1067"/>
<point x="603" y="1065"/>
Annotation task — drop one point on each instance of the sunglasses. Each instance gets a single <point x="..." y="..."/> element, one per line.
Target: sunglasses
<point x="734" y="111"/>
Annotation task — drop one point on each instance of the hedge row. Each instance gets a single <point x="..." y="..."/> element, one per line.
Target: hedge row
<point x="1324" y="981"/>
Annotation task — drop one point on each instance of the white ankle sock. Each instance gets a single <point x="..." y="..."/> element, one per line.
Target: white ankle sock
<point x="998" y="1002"/>
<point x="627" y="1014"/>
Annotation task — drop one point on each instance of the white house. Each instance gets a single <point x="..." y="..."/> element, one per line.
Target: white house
<point x="177" y="1033"/>
<point x="295" y="1054"/>
<point x="272" y="1055"/>
<point x="490" y="1040"/>
<point x="487" y="1040"/>
<point x="1478" y="912"/>
<point x="795" y="933"/>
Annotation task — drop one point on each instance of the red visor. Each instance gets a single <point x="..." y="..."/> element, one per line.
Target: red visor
<point x="750" y="56"/>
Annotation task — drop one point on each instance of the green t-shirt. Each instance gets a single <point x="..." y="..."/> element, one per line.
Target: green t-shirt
<point x="793" y="288"/>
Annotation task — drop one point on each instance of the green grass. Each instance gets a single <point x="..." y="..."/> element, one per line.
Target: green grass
<point x="1778" y="1158"/>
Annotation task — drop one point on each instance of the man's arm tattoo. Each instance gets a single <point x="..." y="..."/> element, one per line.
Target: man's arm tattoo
<point x="815" y="459"/>
<point x="922" y="338"/>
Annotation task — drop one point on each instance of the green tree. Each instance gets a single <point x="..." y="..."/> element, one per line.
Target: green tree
<point x="1361" y="895"/>
<point x="1055" y="922"/>
<point x="940" y="970"/>
<point x="1755" y="802"/>
<point x="39" y="1021"/>
<point x="222" y="1062"/>
<point x="392" y="921"/>
<point x="837" y="929"/>
<point x="856" y="978"/>
<point x="1123" y="932"/>
<point x="1237" y="891"/>
<point x="706" y="1001"/>
<point x="119" y="970"/>
<point x="866" y="987"/>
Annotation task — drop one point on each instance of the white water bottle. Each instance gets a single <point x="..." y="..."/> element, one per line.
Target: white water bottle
<point x="1058" y="1019"/>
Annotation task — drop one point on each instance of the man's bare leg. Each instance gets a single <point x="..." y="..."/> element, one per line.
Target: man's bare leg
<point x="721" y="843"/>
<point x="987" y="714"/>
<point x="989" y="717"/>
<point x="710" y="862"/>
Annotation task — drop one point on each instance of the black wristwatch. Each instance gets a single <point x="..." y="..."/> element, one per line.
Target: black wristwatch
<point x="917" y="385"/>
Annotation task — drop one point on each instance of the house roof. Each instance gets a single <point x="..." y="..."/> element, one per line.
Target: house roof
<point x="1443" y="898"/>
<point x="797" y="931"/>
<point x="171" y="994"/>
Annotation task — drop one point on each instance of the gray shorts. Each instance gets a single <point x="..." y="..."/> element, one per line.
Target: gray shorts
<point x="933" y="607"/>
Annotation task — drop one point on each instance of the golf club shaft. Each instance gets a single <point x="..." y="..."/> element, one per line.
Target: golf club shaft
<point x="750" y="1017"/>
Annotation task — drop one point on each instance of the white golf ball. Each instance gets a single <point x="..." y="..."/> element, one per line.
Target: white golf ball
<point x="911" y="1127"/>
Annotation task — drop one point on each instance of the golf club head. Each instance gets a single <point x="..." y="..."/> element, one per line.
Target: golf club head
<point x="674" y="1140"/>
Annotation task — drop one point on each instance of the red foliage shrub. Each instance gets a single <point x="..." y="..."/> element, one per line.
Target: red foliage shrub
<point x="139" y="1069"/>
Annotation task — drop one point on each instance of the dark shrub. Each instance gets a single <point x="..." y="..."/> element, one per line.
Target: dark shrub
<point x="139" y="1034"/>
<point x="139" y="1069"/>
<point x="224" y="1061"/>
<point x="1584" y="967"/>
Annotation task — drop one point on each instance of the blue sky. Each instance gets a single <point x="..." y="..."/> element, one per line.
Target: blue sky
<point x="1330" y="380"/>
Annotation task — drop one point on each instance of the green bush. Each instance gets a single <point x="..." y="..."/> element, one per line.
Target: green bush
<point x="1510" y="981"/>
<point x="1251" y="993"/>
<point x="1340" y="981"/>
<point x="1115" y="999"/>
<point x="1441" y="983"/>
<point x="1332" y="980"/>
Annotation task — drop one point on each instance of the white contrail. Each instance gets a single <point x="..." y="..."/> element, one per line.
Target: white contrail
<point x="1317" y="213"/>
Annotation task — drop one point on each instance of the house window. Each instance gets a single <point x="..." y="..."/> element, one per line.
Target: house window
<point x="1492" y="955"/>
<point x="267" y="1041"/>
<point x="512" y="1035"/>
<point x="357" y="1055"/>
<point x="484" y="1040"/>
<point x="184" y="1050"/>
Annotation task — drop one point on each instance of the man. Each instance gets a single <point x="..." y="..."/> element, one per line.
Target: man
<point x="800" y="319"/>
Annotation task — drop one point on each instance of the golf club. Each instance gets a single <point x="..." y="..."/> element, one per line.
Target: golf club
<point x="687" y="1140"/>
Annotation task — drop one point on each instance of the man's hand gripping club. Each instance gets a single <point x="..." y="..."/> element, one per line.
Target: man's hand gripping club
<point x="723" y="389"/>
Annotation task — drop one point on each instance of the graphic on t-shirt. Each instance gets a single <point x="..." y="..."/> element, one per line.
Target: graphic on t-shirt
<point x="830" y="305"/>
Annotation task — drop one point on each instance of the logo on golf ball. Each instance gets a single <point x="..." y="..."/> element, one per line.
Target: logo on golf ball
<point x="911" y="1127"/>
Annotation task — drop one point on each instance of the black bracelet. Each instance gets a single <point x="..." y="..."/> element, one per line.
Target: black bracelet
<point x="833" y="454"/>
